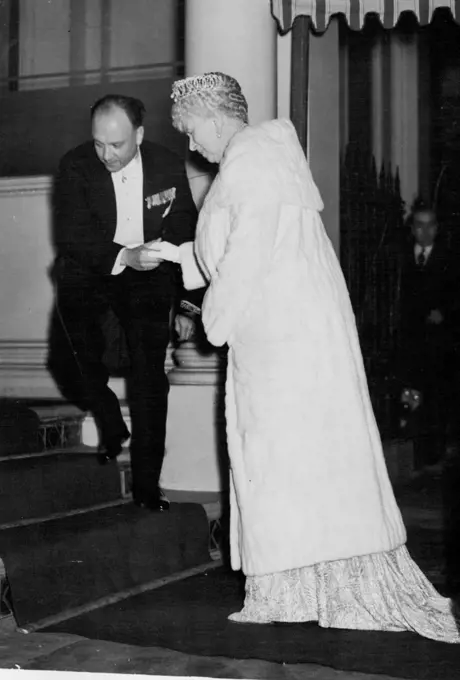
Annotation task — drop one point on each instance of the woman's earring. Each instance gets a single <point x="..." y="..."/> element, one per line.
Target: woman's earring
<point x="218" y="134"/>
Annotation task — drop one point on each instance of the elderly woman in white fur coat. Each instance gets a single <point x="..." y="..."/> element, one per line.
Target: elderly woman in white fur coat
<point x="314" y="523"/>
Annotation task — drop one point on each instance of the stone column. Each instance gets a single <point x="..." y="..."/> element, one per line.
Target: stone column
<point x="239" y="38"/>
<point x="196" y="458"/>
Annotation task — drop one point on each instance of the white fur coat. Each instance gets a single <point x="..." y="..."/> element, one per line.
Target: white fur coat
<point x="308" y="477"/>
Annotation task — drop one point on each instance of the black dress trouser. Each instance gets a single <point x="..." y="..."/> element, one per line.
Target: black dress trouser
<point x="142" y="302"/>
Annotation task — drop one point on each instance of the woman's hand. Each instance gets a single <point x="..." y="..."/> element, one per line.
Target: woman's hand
<point x="163" y="250"/>
<point x="139" y="258"/>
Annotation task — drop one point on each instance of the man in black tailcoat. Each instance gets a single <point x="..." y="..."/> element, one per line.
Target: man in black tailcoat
<point x="427" y="295"/>
<point x="114" y="195"/>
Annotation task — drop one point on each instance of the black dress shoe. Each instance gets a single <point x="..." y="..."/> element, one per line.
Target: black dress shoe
<point x="109" y="450"/>
<point x="156" y="502"/>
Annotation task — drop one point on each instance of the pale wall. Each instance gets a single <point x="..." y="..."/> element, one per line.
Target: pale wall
<point x="25" y="255"/>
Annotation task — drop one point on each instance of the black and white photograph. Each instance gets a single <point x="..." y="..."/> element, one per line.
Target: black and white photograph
<point x="230" y="339"/>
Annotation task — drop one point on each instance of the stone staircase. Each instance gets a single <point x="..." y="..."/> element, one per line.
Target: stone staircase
<point x="57" y="500"/>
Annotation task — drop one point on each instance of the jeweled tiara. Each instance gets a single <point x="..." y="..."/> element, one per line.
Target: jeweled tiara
<point x="196" y="85"/>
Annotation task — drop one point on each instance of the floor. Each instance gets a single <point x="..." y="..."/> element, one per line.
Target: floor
<point x="41" y="651"/>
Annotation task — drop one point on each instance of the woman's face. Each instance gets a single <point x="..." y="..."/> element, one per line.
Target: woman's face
<point x="204" y="138"/>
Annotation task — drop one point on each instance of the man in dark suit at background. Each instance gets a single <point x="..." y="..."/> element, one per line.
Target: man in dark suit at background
<point x="113" y="195"/>
<point x="427" y="295"/>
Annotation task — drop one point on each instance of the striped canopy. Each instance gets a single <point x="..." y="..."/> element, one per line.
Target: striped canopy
<point x="320" y="11"/>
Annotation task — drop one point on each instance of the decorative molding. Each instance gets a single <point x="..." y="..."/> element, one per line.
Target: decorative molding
<point x="27" y="383"/>
<point x="32" y="354"/>
<point x="95" y="76"/>
<point x="23" y="372"/>
<point x="45" y="82"/>
<point x="22" y="354"/>
<point x="149" y="72"/>
<point x="195" y="367"/>
<point x="35" y="185"/>
<point x="184" y="357"/>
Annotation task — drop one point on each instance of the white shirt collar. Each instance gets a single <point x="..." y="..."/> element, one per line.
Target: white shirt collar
<point x="418" y="249"/>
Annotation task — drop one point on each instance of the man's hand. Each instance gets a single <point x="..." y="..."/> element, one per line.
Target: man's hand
<point x="184" y="327"/>
<point x="435" y="317"/>
<point x="140" y="258"/>
<point x="165" y="251"/>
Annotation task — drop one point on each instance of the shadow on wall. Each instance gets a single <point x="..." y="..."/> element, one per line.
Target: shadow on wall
<point x="38" y="127"/>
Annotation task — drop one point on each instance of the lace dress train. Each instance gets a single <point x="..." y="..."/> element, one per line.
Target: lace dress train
<point x="386" y="591"/>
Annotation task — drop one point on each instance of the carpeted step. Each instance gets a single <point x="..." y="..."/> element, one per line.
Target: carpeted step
<point x="70" y="562"/>
<point x="54" y="482"/>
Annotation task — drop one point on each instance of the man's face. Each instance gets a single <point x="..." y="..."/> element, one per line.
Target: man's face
<point x="425" y="228"/>
<point x="116" y="140"/>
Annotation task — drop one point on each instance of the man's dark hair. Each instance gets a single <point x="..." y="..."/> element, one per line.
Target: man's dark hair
<point x="134" y="108"/>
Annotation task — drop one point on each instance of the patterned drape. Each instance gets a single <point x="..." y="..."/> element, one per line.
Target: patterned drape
<point x="320" y="11"/>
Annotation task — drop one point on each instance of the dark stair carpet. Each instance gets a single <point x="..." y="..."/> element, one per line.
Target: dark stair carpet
<point x="64" y="563"/>
<point x="39" y="486"/>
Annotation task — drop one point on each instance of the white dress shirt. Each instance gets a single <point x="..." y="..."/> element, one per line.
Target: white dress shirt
<point x="418" y="249"/>
<point x="129" y="193"/>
